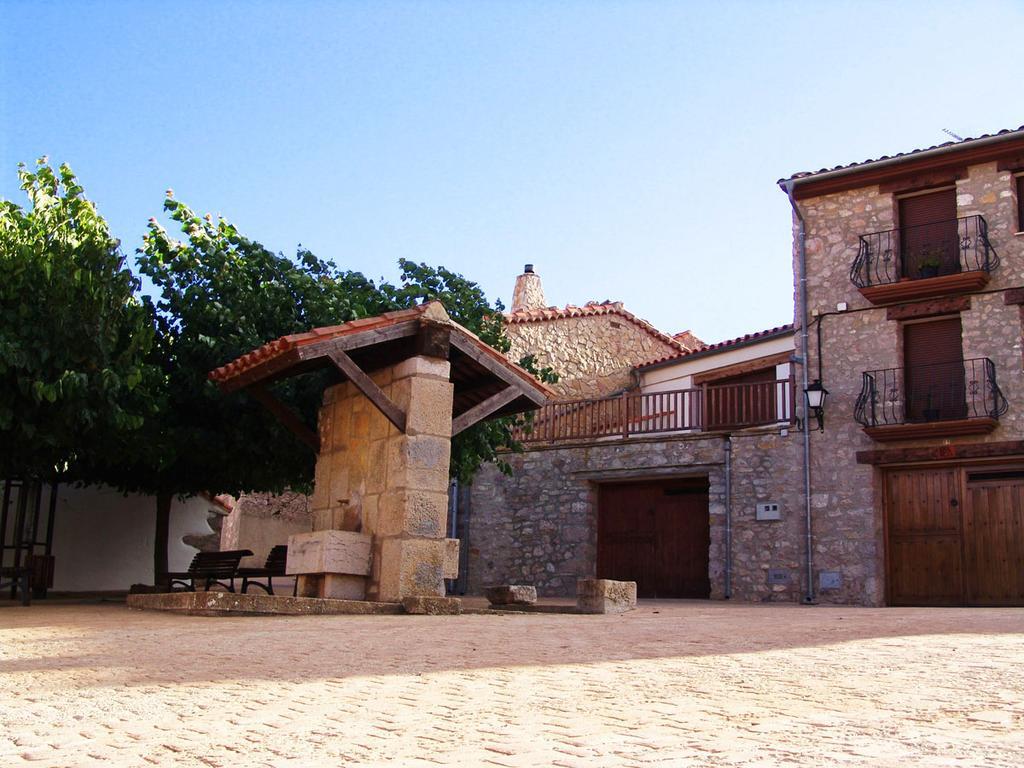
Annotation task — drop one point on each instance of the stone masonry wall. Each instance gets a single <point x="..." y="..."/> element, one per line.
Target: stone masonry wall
<point x="393" y="486"/>
<point x="593" y="355"/>
<point x="539" y="526"/>
<point x="846" y="496"/>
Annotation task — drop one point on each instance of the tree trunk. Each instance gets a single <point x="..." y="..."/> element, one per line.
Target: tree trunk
<point x="163" y="525"/>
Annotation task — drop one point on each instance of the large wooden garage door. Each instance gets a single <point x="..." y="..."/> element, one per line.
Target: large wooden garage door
<point x="994" y="537"/>
<point x="955" y="536"/>
<point x="656" y="534"/>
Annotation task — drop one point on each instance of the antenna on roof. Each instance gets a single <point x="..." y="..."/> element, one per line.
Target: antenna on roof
<point x="950" y="133"/>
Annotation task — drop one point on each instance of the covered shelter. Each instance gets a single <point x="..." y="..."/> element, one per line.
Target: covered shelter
<point x="406" y="382"/>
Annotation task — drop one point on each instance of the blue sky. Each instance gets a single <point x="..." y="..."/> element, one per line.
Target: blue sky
<point x="628" y="149"/>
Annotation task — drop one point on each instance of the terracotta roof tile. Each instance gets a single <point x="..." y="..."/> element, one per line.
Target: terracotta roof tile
<point x="591" y="308"/>
<point x="721" y="346"/>
<point x="806" y="174"/>
<point x="430" y="310"/>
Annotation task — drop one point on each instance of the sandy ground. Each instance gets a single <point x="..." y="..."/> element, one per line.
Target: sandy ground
<point x="671" y="684"/>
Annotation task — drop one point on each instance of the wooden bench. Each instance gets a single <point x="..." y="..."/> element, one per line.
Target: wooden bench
<point x="209" y="568"/>
<point x="274" y="566"/>
<point x="18" y="576"/>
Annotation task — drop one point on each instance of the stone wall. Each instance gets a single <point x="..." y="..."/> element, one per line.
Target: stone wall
<point x="846" y="496"/>
<point x="393" y="486"/>
<point x="539" y="526"/>
<point x="593" y="354"/>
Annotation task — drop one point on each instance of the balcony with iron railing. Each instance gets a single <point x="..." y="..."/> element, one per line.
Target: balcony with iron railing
<point x="960" y="397"/>
<point x="942" y="258"/>
<point x="707" y="408"/>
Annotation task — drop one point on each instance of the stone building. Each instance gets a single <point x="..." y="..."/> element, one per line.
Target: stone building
<point x="594" y="348"/>
<point x="652" y="468"/>
<point x="909" y="275"/>
<point x="915" y="267"/>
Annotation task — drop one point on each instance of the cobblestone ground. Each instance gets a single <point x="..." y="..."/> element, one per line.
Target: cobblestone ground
<point x="671" y="684"/>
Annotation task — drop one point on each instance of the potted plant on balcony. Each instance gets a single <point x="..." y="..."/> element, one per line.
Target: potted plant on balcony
<point x="930" y="262"/>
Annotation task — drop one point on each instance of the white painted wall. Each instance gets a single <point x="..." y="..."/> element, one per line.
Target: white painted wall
<point x="103" y="540"/>
<point x="680" y="375"/>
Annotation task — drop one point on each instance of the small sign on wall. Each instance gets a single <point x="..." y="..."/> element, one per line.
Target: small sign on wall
<point x="768" y="510"/>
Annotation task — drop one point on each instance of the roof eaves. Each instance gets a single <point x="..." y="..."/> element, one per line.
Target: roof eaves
<point x="721" y="346"/>
<point x="946" y="147"/>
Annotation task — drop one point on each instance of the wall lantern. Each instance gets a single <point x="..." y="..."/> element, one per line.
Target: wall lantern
<point x="816" y="395"/>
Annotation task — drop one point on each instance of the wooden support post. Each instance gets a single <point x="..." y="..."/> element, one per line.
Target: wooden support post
<point x="484" y="409"/>
<point x="286" y="416"/>
<point x="370" y="390"/>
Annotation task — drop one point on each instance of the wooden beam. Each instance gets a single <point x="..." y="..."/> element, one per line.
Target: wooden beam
<point x="286" y="416"/>
<point x="366" y="385"/>
<point x="470" y="349"/>
<point x="358" y="339"/>
<point x="434" y="341"/>
<point x="481" y="411"/>
<point x="941" y="453"/>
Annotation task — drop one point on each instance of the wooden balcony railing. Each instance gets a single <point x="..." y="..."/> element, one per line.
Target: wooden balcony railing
<point x="707" y="408"/>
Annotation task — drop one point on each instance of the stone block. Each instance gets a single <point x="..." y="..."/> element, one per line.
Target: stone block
<point x="413" y="513"/>
<point x="340" y="586"/>
<point x="419" y="462"/>
<point x="422" y="605"/>
<point x="430" y="408"/>
<point x="423" y="366"/>
<point x="344" y="552"/>
<point x="411" y="567"/>
<point x="511" y="594"/>
<point x="605" y="596"/>
<point x="451" y="558"/>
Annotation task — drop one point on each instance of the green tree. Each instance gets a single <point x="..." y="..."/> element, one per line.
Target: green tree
<point x="73" y="336"/>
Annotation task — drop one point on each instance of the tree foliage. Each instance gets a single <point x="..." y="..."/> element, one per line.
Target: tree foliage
<point x="73" y="336"/>
<point x="220" y="295"/>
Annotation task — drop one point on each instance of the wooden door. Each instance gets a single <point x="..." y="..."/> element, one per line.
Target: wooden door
<point x="929" y="235"/>
<point x="656" y="534"/>
<point x="924" y="537"/>
<point x="934" y="377"/>
<point x="994" y="537"/>
<point x="955" y="536"/>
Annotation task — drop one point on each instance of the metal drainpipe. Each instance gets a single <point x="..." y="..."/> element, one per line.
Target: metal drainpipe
<point x="805" y="350"/>
<point x="728" y="517"/>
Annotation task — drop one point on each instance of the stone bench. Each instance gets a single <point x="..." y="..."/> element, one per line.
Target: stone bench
<point x="511" y="594"/>
<point x="605" y="596"/>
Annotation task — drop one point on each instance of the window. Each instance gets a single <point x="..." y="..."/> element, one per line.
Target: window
<point x="933" y="371"/>
<point x="929" y="238"/>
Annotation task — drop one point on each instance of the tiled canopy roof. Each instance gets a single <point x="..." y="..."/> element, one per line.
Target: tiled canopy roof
<point x="431" y="312"/>
<point x="591" y="308"/>
<point x="722" y="346"/>
<point x="286" y="343"/>
<point x="945" y="145"/>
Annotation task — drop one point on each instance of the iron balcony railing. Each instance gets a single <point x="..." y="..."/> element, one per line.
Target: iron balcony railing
<point x="927" y="250"/>
<point x="707" y="408"/>
<point x="961" y="389"/>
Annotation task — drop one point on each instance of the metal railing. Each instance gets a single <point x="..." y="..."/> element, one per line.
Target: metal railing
<point x="960" y="389"/>
<point x="706" y="408"/>
<point x="927" y="250"/>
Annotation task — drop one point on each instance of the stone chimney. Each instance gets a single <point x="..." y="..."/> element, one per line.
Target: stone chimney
<point x="529" y="293"/>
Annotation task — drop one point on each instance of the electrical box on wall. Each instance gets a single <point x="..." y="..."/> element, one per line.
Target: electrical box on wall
<point x="768" y="510"/>
<point x="830" y="580"/>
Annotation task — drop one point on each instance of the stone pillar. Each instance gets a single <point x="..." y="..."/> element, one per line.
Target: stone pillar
<point x="373" y="479"/>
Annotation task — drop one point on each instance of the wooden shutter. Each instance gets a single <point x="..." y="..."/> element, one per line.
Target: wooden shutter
<point x="928" y="234"/>
<point x="1020" y="203"/>
<point x="933" y="362"/>
<point x="742" y="400"/>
